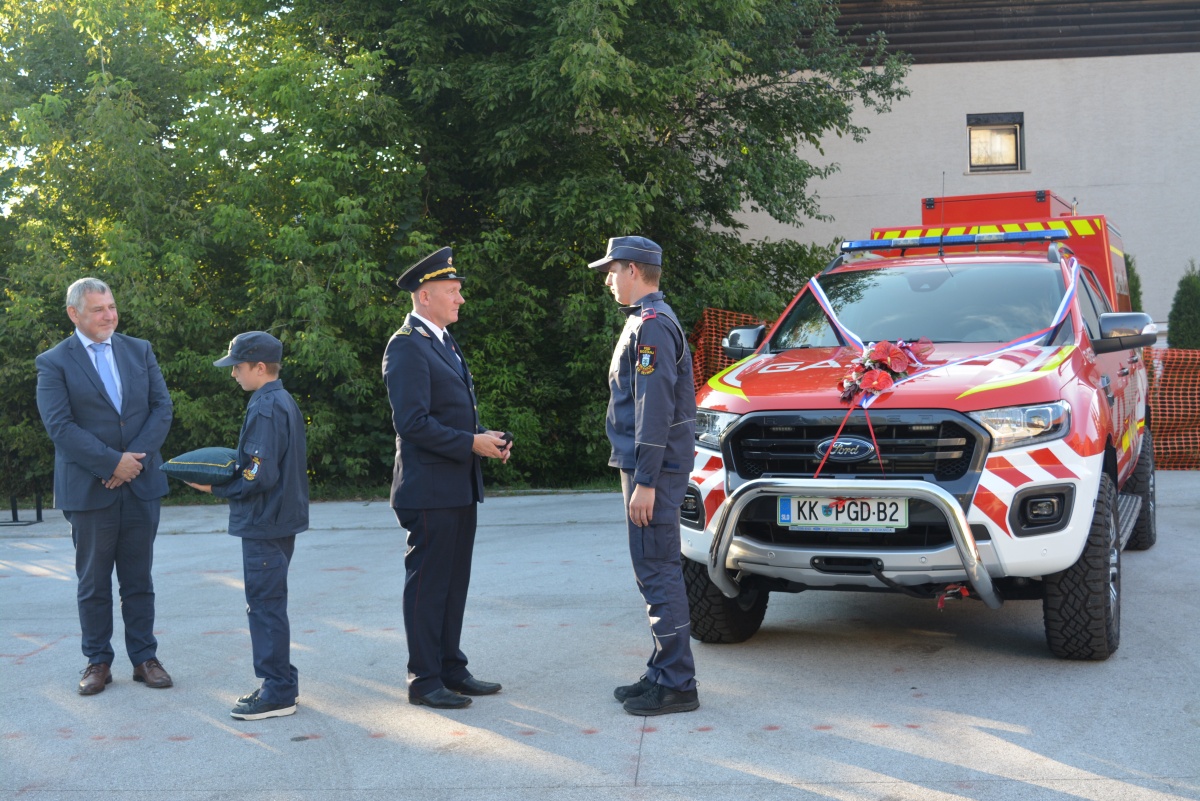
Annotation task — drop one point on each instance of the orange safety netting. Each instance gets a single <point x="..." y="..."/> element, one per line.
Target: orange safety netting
<point x="1174" y="377"/>
<point x="707" y="357"/>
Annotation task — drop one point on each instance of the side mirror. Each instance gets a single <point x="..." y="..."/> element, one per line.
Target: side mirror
<point x="1125" y="331"/>
<point x="743" y="341"/>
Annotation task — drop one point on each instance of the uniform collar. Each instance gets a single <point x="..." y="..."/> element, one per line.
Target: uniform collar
<point x="649" y="297"/>
<point x="440" y="333"/>
<point x="270" y="386"/>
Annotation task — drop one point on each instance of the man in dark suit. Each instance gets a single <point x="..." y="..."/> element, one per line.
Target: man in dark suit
<point x="105" y="406"/>
<point x="437" y="481"/>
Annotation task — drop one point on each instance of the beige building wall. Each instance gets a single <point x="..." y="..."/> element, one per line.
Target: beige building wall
<point x="1120" y="136"/>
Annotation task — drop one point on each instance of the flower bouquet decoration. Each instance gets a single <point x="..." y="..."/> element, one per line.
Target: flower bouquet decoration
<point x="881" y="365"/>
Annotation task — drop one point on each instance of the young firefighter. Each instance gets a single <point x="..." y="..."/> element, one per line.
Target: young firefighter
<point x="268" y="507"/>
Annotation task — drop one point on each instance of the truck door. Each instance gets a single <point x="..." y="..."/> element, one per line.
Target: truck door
<point x="1120" y="373"/>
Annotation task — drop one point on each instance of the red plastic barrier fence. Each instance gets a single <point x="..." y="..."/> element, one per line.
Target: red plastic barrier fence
<point x="1175" y="407"/>
<point x="1174" y="387"/>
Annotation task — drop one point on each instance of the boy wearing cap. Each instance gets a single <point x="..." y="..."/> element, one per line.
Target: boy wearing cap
<point x="268" y="507"/>
<point x="651" y="424"/>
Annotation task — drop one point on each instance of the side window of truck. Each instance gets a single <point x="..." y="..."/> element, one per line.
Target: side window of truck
<point x="1092" y="305"/>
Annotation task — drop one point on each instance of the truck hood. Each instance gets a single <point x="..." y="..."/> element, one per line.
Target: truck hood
<point x="966" y="378"/>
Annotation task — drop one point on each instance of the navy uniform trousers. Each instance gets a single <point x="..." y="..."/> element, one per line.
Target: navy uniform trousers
<point x="654" y="550"/>
<point x="437" y="574"/>
<point x="265" y="565"/>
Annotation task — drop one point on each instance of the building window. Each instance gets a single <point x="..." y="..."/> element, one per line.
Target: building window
<point x="996" y="142"/>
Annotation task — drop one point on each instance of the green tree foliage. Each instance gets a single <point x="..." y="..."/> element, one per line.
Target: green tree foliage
<point x="548" y="126"/>
<point x="1183" y="321"/>
<point x="229" y="165"/>
<point x="1135" y="283"/>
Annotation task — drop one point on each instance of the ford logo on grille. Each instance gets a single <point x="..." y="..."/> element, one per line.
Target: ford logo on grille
<point x="846" y="449"/>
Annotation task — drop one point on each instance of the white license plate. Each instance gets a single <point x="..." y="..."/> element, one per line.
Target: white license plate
<point x="844" y="514"/>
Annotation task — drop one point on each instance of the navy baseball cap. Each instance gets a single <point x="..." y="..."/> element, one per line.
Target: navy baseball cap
<point x="629" y="248"/>
<point x="437" y="266"/>
<point x="253" y="347"/>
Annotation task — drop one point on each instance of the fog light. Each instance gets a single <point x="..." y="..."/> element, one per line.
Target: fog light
<point x="1043" y="511"/>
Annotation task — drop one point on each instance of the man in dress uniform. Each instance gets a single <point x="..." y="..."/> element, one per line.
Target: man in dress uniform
<point x="651" y="424"/>
<point x="437" y="480"/>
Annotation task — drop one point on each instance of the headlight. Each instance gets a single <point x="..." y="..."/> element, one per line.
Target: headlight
<point x="1015" y="426"/>
<point x="711" y="425"/>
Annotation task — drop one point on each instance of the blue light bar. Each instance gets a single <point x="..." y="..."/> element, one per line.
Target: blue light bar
<point x="957" y="240"/>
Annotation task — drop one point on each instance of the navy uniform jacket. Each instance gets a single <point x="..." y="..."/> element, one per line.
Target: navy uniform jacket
<point x="269" y="497"/>
<point x="89" y="434"/>
<point x="652" y="405"/>
<point x="434" y="414"/>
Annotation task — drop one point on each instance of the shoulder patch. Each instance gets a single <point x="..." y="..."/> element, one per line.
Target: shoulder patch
<point x="649" y="313"/>
<point x="404" y="331"/>
<point x="251" y="472"/>
<point x="645" y="359"/>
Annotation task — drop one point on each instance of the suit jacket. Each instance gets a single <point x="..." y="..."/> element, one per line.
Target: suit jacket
<point x="434" y="414"/>
<point x="89" y="434"/>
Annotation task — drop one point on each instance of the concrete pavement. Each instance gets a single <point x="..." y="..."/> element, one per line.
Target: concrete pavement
<point x="840" y="696"/>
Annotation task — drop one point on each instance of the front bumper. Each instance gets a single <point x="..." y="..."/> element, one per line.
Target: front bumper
<point x="722" y="527"/>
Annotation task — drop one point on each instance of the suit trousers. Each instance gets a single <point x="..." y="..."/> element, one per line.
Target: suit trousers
<point x="265" y="567"/>
<point x="120" y="536"/>
<point x="654" y="550"/>
<point x="437" y="574"/>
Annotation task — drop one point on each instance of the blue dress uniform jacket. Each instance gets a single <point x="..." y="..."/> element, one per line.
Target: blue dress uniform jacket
<point x="109" y="527"/>
<point x="652" y="405"/>
<point x="269" y="497"/>
<point x="433" y="411"/>
<point x="268" y="507"/>
<point x="436" y="484"/>
<point x="651" y="424"/>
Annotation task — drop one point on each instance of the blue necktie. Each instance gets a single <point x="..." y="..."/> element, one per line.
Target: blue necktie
<point x="110" y="383"/>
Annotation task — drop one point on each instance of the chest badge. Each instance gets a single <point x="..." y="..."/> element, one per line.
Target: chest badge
<point x="645" y="360"/>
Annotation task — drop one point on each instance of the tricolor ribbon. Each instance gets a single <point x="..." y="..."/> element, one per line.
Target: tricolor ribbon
<point x="865" y="399"/>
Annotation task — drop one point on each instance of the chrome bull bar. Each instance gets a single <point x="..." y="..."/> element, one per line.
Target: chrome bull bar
<point x="724" y="523"/>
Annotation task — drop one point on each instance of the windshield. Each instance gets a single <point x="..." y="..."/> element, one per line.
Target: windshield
<point x="944" y="302"/>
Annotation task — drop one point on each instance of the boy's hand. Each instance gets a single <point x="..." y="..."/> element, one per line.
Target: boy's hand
<point x="202" y="487"/>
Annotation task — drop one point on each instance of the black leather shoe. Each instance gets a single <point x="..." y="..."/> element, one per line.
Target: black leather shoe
<point x="473" y="686"/>
<point x="660" y="700"/>
<point x="627" y="691"/>
<point x="441" y="698"/>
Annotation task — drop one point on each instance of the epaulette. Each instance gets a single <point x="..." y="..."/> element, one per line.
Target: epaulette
<point x="404" y="331"/>
<point x="649" y="313"/>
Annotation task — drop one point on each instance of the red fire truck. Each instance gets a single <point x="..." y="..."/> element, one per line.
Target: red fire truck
<point x="955" y="409"/>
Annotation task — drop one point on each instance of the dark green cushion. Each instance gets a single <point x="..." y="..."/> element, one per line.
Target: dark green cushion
<point x="203" y="466"/>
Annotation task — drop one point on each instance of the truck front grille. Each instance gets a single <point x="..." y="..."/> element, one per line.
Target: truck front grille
<point x="937" y="450"/>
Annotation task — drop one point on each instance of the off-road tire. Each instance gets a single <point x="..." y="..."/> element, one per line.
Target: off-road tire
<point x="715" y="618"/>
<point x="1082" y="604"/>
<point x="1141" y="484"/>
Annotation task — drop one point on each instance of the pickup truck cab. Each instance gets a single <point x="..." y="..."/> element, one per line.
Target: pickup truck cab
<point x="947" y="412"/>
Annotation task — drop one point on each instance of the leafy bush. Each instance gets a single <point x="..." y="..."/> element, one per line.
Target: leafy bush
<point x="1135" y="283"/>
<point x="1183" y="323"/>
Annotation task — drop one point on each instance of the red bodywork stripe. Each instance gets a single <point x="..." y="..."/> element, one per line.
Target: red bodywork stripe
<point x="1050" y="463"/>
<point x="995" y="509"/>
<point x="1002" y="468"/>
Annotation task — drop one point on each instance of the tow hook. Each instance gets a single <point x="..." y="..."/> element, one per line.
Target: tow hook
<point x="954" y="592"/>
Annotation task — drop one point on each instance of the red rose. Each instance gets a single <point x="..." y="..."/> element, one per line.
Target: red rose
<point x="876" y="381"/>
